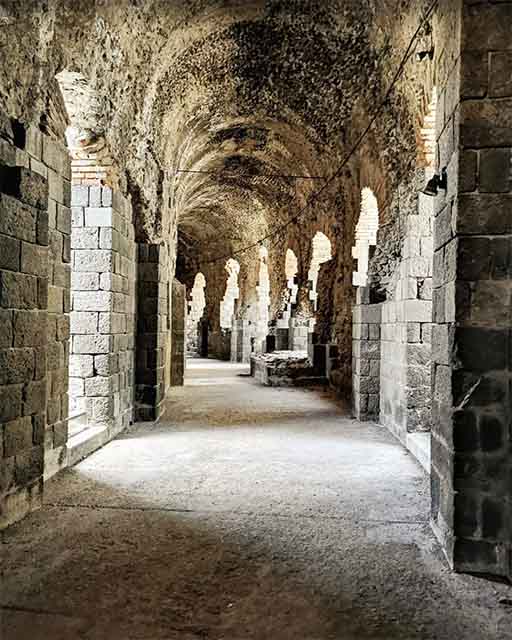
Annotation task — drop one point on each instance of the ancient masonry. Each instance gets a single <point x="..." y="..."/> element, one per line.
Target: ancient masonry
<point x="393" y="286"/>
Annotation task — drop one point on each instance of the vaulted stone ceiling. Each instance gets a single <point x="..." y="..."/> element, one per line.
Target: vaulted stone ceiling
<point x="225" y="89"/>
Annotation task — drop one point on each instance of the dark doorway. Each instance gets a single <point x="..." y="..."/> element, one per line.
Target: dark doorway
<point x="204" y="338"/>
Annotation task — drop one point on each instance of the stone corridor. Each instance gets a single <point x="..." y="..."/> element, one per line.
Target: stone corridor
<point x="248" y="512"/>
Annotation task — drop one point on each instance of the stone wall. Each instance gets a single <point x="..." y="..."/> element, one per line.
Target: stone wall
<point x="472" y="407"/>
<point x="55" y="164"/>
<point x="407" y="323"/>
<point x="25" y="379"/>
<point x="103" y="307"/>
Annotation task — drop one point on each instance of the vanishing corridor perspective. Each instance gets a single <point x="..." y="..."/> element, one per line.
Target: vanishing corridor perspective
<point x="268" y="515"/>
<point x="255" y="319"/>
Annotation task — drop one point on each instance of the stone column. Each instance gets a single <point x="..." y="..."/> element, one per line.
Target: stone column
<point x="103" y="308"/>
<point x="241" y="341"/>
<point x="179" y="312"/>
<point x="472" y="337"/>
<point x="366" y="357"/>
<point x="152" y="330"/>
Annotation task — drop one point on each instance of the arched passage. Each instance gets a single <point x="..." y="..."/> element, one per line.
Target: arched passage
<point x="263" y="302"/>
<point x="321" y="253"/>
<point x="196" y="309"/>
<point x="222" y="116"/>
<point x="227" y="305"/>
<point x="366" y="236"/>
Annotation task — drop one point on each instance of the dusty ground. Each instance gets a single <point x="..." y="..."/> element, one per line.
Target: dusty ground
<point x="249" y="513"/>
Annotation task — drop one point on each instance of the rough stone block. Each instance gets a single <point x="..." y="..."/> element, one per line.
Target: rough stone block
<point x="34" y="259"/>
<point x="6" y="333"/>
<point x="63" y="328"/>
<point x="18" y="291"/>
<point x="64" y="219"/>
<point x="34" y="142"/>
<point x="104" y="365"/>
<point x="17" y="436"/>
<point x="493" y="432"/>
<point x="16" y="366"/>
<point x="84" y="281"/>
<point x="66" y="249"/>
<point x="90" y="260"/>
<point x="106" y="197"/>
<point x="413" y="332"/>
<point x="468" y="170"/>
<point x="55" y="299"/>
<point x="111" y="323"/>
<point x="486" y="123"/>
<point x="81" y="366"/>
<point x="77" y="217"/>
<point x="42" y="228"/>
<point x="495" y="170"/>
<point x="91" y="344"/>
<point x="60" y="434"/>
<point x="17" y="220"/>
<point x="98" y="216"/>
<point x="54" y="154"/>
<point x="95" y="196"/>
<point x="62" y="276"/>
<point x="10" y="402"/>
<point x="84" y="322"/>
<point x="500" y="79"/>
<point x="29" y="328"/>
<point x="98" y="386"/>
<point x="92" y="301"/>
<point x="481" y="349"/>
<point x="35" y="397"/>
<point x="107" y="236"/>
<point x="474" y="72"/>
<point x="57" y="189"/>
<point x="84" y="238"/>
<point x="76" y="387"/>
<point x="29" y="466"/>
<point x="418" y="310"/>
<point x="80" y="196"/>
<point x="21" y="183"/>
<point x="55" y="354"/>
<point x="101" y="409"/>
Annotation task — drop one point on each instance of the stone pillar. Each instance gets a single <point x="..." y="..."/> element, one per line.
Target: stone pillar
<point x="472" y="337"/>
<point x="103" y="308"/>
<point x="152" y="330"/>
<point x="405" y="389"/>
<point x="24" y="379"/>
<point x="179" y="313"/>
<point x="366" y="357"/>
<point x="241" y="347"/>
<point x="298" y="333"/>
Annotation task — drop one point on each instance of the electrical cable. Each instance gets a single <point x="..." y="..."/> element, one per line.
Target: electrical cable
<point x="226" y="172"/>
<point x="349" y="155"/>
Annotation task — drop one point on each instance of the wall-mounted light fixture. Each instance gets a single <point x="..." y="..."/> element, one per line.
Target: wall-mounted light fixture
<point x="428" y="53"/>
<point x="425" y="48"/>
<point x="435" y="183"/>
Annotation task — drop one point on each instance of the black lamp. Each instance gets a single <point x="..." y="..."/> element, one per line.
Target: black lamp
<point x="435" y="183"/>
<point x="428" y="53"/>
